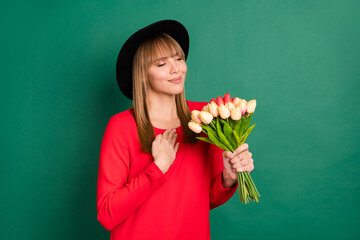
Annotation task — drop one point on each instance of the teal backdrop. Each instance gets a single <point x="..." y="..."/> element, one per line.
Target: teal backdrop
<point x="298" y="59"/>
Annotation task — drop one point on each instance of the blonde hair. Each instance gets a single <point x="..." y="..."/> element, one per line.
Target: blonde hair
<point x="148" y="51"/>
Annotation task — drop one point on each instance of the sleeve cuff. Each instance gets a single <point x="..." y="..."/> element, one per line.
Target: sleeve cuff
<point x="155" y="173"/>
<point x="222" y="188"/>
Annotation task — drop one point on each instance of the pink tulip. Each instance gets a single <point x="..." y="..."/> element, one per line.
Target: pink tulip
<point x="206" y="117"/>
<point x="195" y="127"/>
<point x="213" y="109"/>
<point x="227" y="98"/>
<point x="206" y="108"/>
<point x="195" y="116"/>
<point x="250" y="106"/>
<point x="236" y="101"/>
<point x="224" y="112"/>
<point x="219" y="101"/>
<point x="230" y="106"/>
<point x="213" y="100"/>
<point x="243" y="106"/>
<point x="236" y="113"/>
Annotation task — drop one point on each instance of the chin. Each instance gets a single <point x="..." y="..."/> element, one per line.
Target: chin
<point x="178" y="91"/>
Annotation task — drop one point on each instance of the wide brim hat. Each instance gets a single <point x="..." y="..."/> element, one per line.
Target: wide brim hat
<point x="126" y="55"/>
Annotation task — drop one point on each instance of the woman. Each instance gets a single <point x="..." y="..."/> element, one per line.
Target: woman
<point x="155" y="180"/>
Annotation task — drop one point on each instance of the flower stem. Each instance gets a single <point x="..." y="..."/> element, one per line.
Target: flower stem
<point x="247" y="189"/>
<point x="212" y="125"/>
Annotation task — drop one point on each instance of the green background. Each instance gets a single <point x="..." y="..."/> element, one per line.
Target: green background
<point x="299" y="59"/>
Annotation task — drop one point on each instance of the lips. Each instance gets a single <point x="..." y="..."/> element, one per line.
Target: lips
<point x="176" y="80"/>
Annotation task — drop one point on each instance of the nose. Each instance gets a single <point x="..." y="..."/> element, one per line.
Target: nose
<point x="174" y="67"/>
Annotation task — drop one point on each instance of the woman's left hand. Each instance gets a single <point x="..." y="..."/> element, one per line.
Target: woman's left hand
<point x="238" y="161"/>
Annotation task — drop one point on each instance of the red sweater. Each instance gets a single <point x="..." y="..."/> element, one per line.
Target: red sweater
<point x="135" y="200"/>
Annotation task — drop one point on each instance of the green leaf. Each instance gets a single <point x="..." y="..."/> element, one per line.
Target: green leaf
<point x="246" y="134"/>
<point x="209" y="129"/>
<point x="248" y="120"/>
<point x="228" y="132"/>
<point x="232" y="123"/>
<point x="204" y="130"/>
<point x="241" y="129"/>
<point x="244" y="125"/>
<point x="222" y="137"/>
<point x="217" y="142"/>
<point x="238" y="126"/>
<point x="205" y="139"/>
<point x="237" y="139"/>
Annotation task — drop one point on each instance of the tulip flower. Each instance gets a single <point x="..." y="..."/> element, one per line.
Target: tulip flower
<point x="236" y="101"/>
<point x="206" y="117"/>
<point x="250" y="106"/>
<point x="227" y="98"/>
<point x="206" y="108"/>
<point x="195" y="127"/>
<point x="213" y="109"/>
<point x="243" y="106"/>
<point x="229" y="106"/>
<point x="219" y="101"/>
<point x="224" y="112"/>
<point x="235" y="113"/>
<point x="226" y="122"/>
<point x="195" y="116"/>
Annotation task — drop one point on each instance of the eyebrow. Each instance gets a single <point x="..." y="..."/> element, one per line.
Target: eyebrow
<point x="163" y="58"/>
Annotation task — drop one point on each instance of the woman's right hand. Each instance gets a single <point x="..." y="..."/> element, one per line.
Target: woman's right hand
<point x="164" y="149"/>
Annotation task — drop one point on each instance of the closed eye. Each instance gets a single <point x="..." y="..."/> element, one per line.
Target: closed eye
<point x="178" y="58"/>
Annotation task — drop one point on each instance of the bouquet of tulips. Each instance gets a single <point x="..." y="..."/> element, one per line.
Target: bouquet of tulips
<point x="226" y="122"/>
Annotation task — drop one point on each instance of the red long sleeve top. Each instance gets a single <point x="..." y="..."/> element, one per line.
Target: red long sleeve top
<point x="135" y="200"/>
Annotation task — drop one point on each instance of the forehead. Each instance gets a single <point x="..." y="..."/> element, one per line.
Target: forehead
<point x="159" y="49"/>
<point x="163" y="52"/>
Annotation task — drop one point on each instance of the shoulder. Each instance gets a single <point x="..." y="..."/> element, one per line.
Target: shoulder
<point x="126" y="116"/>
<point x="196" y="105"/>
<point x="121" y="121"/>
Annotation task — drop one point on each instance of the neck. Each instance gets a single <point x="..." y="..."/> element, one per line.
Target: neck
<point x="162" y="110"/>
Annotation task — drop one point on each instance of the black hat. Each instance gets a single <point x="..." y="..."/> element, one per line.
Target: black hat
<point x="125" y="59"/>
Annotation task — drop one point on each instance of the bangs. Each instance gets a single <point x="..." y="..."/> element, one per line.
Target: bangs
<point x="161" y="46"/>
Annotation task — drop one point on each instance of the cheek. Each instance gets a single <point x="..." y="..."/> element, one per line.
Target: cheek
<point x="156" y="75"/>
<point x="184" y="68"/>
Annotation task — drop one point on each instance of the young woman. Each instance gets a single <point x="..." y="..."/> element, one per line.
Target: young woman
<point x="156" y="181"/>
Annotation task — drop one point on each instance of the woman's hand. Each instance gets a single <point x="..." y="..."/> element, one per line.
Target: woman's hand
<point x="164" y="149"/>
<point x="238" y="161"/>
